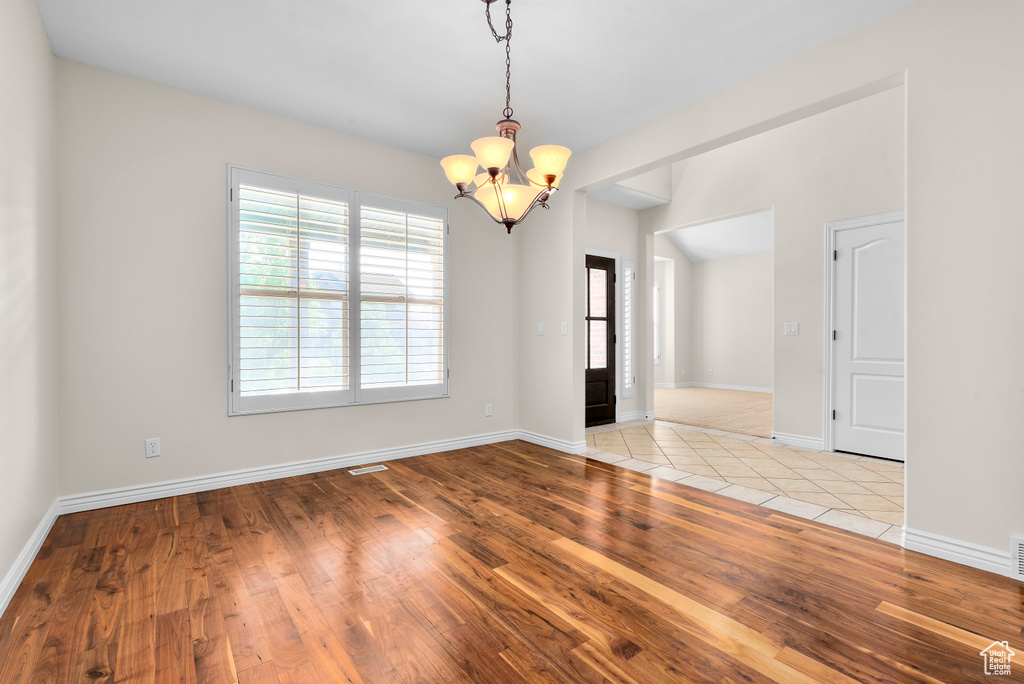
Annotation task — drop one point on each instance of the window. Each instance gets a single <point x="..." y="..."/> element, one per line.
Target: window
<point x="657" y="323"/>
<point x="628" y="380"/>
<point x="338" y="297"/>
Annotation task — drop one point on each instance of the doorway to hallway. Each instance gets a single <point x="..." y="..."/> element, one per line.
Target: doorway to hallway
<point x="865" y="356"/>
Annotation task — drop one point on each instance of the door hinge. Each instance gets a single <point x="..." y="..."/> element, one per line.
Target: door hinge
<point x="231" y="195"/>
<point x="615" y="400"/>
<point x="833" y="335"/>
<point x="449" y="373"/>
<point x="835" y="254"/>
<point x="232" y="384"/>
<point x="615" y="339"/>
<point x="833" y="414"/>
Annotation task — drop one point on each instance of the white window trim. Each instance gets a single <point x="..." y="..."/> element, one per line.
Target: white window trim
<point x="355" y="395"/>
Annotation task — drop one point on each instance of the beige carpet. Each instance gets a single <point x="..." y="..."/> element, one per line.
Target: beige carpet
<point x="749" y="413"/>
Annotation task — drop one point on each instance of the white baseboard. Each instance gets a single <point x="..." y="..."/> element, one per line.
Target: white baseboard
<point x="962" y="552"/>
<point x="159" y="490"/>
<point x="552" y="443"/>
<point x="799" y="441"/>
<point x="635" y="415"/>
<point x="16" y="573"/>
<point x="669" y="385"/>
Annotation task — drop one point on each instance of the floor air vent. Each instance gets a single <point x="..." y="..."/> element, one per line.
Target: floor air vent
<point x="370" y="469"/>
<point x="1017" y="568"/>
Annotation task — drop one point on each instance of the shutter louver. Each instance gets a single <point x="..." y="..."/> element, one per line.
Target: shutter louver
<point x="401" y="299"/>
<point x="293" y="287"/>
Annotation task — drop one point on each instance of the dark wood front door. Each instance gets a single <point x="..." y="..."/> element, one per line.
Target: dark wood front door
<point x="600" y="340"/>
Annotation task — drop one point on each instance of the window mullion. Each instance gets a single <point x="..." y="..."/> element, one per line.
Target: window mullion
<point x="355" y="359"/>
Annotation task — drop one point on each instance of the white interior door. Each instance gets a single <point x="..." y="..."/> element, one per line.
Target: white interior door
<point x="868" y="348"/>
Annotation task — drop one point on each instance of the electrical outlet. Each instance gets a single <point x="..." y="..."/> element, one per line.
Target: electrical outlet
<point x="711" y="371"/>
<point x="152" y="447"/>
<point x="540" y="328"/>
<point x="487" y="411"/>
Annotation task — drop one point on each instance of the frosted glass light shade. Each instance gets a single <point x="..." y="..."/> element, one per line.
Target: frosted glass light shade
<point x="537" y="177"/>
<point x="492" y="152"/>
<point x="460" y="168"/>
<point x="517" y="199"/>
<point x="550" y="158"/>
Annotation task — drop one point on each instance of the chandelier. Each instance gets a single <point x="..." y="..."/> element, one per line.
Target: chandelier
<point x="506" y="193"/>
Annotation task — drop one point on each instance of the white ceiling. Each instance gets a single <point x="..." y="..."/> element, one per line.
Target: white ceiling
<point x="750" y="234"/>
<point x="428" y="77"/>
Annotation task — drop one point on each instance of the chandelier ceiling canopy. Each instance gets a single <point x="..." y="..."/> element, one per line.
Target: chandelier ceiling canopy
<point x="504" y="190"/>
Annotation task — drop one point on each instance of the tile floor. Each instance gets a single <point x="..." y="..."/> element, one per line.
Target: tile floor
<point x="858" y="493"/>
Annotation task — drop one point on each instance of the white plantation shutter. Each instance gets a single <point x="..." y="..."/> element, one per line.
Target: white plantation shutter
<point x="309" y="333"/>
<point x="628" y="383"/>
<point x="401" y="298"/>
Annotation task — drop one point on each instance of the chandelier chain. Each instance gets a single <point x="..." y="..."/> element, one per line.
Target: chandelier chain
<point x="507" y="112"/>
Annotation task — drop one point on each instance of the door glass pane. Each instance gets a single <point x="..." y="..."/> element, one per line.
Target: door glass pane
<point x="598" y="343"/>
<point x="586" y="339"/>
<point x="598" y="293"/>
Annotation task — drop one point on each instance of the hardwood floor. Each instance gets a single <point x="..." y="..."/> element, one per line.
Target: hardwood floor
<point x="503" y="563"/>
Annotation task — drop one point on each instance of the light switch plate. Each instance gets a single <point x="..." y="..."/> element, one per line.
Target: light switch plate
<point x="792" y="328"/>
<point x="540" y="328"/>
<point x="565" y="328"/>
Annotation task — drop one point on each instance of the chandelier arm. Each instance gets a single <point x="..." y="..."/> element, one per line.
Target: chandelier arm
<point x="537" y="202"/>
<point x="515" y="162"/>
<point x="466" y="195"/>
<point x="502" y="209"/>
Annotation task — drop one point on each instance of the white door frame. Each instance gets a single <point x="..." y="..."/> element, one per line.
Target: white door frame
<point x="618" y="321"/>
<point x="830" y="266"/>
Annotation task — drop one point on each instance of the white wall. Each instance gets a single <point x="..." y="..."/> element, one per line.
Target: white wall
<point x="732" y="321"/>
<point x="615" y="230"/>
<point x="142" y="239"/>
<point x="964" y="76"/>
<point x="28" y="405"/>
